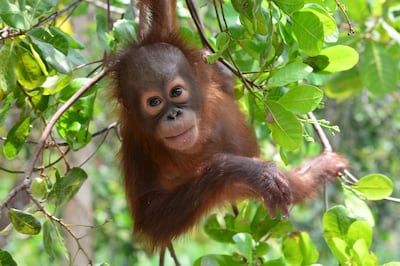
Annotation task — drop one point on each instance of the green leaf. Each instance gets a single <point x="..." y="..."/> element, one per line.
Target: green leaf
<point x="262" y="249"/>
<point x="66" y="187"/>
<point x="261" y="224"/>
<point x="299" y="249"/>
<point x="344" y="85"/>
<point x="245" y="244"/>
<point x="340" y="58"/>
<point x="222" y="41"/>
<point x="326" y="19"/>
<point x="301" y="99"/>
<point x="308" y="249"/>
<point x="53" y="241"/>
<point x="217" y="260"/>
<point x="357" y="207"/>
<point x="374" y="186"/>
<point x="40" y="101"/>
<point x="379" y="72"/>
<point x="16" y="138"/>
<point x="318" y="63"/>
<point x="289" y="6"/>
<point x="38" y="60"/>
<point x="245" y="215"/>
<point x="7" y="73"/>
<point x="6" y="107"/>
<point x="217" y="232"/>
<point x="73" y="124"/>
<point x="291" y="72"/>
<point x="251" y="15"/>
<point x="6" y="259"/>
<point x="54" y="57"/>
<point x="255" y="107"/>
<point x="24" y="222"/>
<point x="48" y="240"/>
<point x="361" y="255"/>
<point x="276" y="262"/>
<point x="392" y="263"/>
<point x="339" y="249"/>
<point x="28" y="71"/>
<point x="291" y="249"/>
<point x="359" y="230"/>
<point x="309" y="32"/>
<point x="53" y="36"/>
<point x="38" y="9"/>
<point x="124" y="31"/>
<point x="286" y="129"/>
<point x="72" y="86"/>
<point x="259" y="21"/>
<point x="56" y="84"/>
<point x="212" y="58"/>
<point x="336" y="222"/>
<point x="13" y="16"/>
<point x="255" y="47"/>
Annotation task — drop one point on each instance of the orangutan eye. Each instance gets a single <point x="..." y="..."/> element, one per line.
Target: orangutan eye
<point x="176" y="92"/>
<point x="154" y="101"/>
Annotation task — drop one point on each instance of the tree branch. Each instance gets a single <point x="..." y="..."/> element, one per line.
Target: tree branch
<point x="326" y="145"/>
<point x="25" y="185"/>
<point x="52" y="122"/>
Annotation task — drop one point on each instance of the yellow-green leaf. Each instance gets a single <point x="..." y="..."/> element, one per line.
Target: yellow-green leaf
<point x="28" y="71"/>
<point x="24" y="222"/>
<point x="374" y="186"/>
<point x="16" y="138"/>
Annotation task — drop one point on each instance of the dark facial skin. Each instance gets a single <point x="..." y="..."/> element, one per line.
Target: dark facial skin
<point x="164" y="96"/>
<point x="170" y="108"/>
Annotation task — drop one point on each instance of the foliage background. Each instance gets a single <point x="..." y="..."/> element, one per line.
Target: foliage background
<point x="42" y="51"/>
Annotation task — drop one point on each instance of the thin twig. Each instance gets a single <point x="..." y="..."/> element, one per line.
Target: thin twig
<point x="61" y="223"/>
<point x="342" y="8"/>
<point x="25" y="185"/>
<point x="51" y="17"/>
<point x="326" y="145"/>
<point x="108" y="129"/>
<point x="193" y="12"/>
<point x="52" y="144"/>
<point x="234" y="69"/>
<point x="52" y="122"/>
<point x="36" y="169"/>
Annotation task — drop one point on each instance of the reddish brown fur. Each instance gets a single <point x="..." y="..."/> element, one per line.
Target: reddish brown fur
<point x="169" y="191"/>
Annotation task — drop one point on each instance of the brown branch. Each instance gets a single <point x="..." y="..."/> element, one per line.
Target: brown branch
<point x="25" y="185"/>
<point x="200" y="28"/>
<point x="343" y="9"/>
<point x="52" y="122"/>
<point x="199" y="25"/>
<point x="60" y="222"/>
<point x="326" y="145"/>
<point x="50" y="144"/>
<point x="106" y="130"/>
